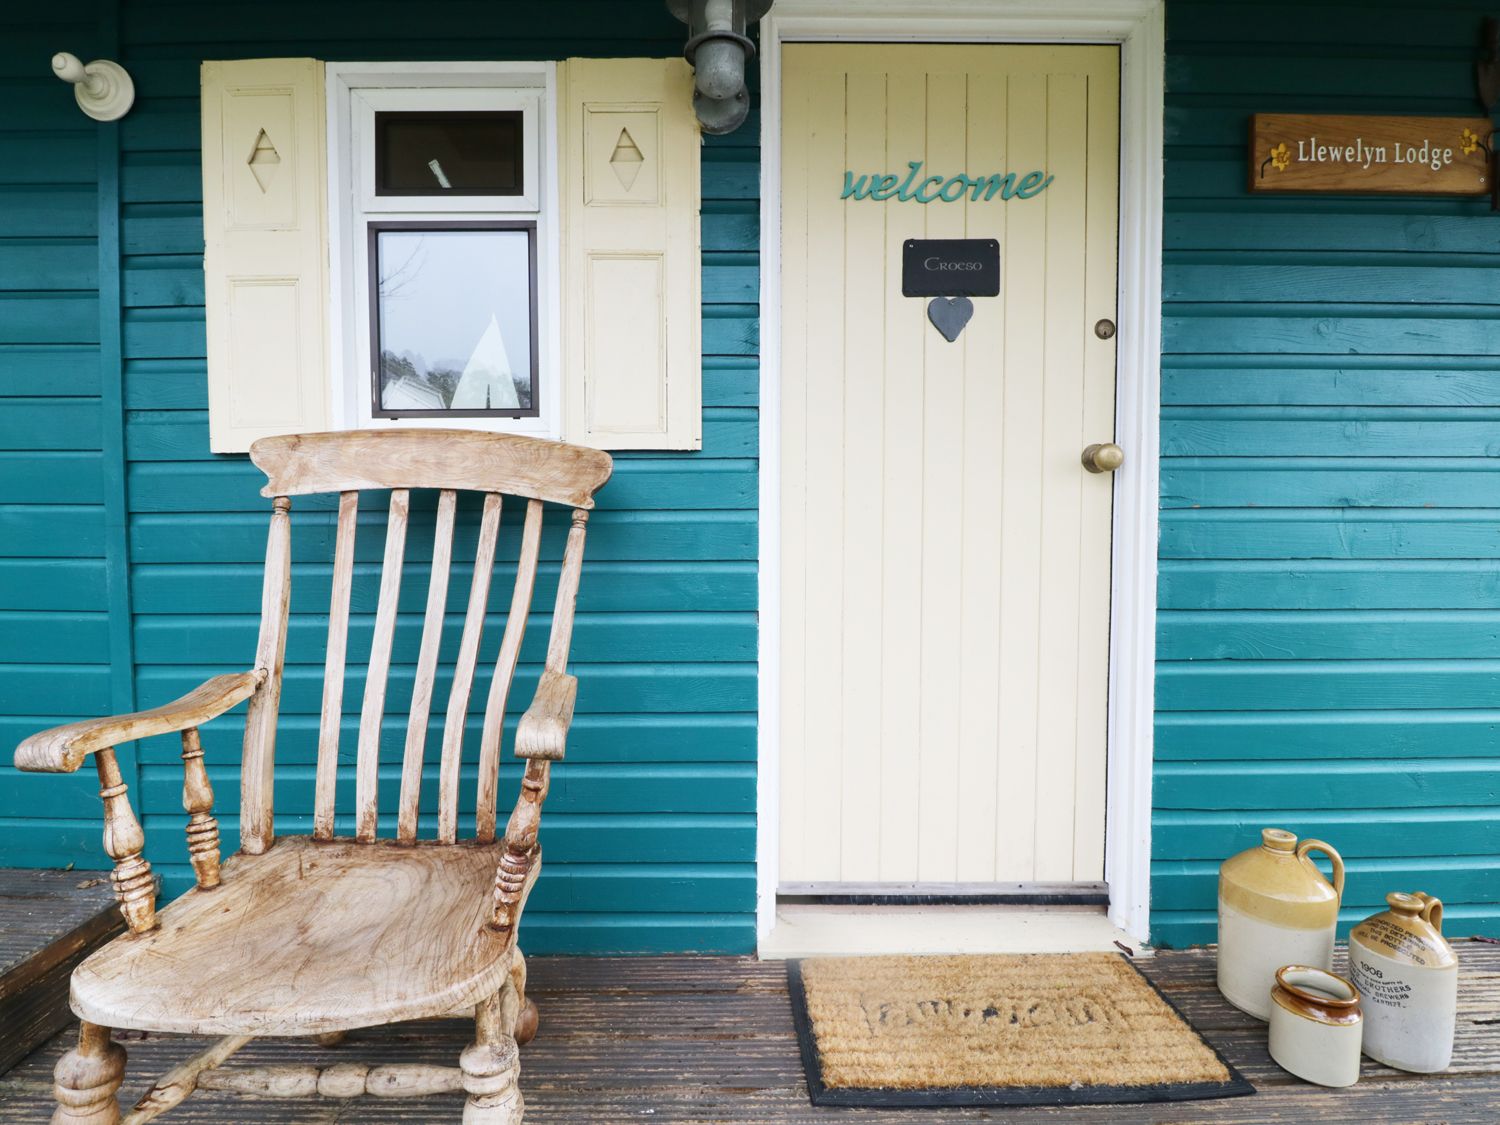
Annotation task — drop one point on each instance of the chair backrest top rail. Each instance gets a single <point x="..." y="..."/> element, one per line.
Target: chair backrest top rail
<point x="297" y="464"/>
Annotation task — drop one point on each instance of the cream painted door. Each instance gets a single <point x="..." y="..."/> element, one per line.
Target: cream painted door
<point x="945" y="573"/>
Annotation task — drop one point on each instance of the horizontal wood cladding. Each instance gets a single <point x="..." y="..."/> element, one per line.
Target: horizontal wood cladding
<point x="1328" y="639"/>
<point x="54" y="623"/>
<point x="649" y="833"/>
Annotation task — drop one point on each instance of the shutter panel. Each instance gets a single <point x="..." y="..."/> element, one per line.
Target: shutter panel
<point x="265" y="249"/>
<point x="629" y="150"/>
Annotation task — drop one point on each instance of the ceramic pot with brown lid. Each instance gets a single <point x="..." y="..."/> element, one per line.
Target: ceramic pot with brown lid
<point x="1408" y="976"/>
<point x="1316" y="1025"/>
<point x="1275" y="909"/>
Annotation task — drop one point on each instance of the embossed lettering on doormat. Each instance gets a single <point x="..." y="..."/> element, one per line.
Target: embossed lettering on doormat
<point x="1023" y="1029"/>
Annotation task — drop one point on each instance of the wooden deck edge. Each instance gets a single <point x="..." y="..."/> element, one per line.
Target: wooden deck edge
<point x="34" y="989"/>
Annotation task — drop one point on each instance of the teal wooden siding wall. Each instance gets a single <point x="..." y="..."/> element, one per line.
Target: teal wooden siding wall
<point x="62" y="573"/>
<point x="650" y="828"/>
<point x="1329" y="634"/>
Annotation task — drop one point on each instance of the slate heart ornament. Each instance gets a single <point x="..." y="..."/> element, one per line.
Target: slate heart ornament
<point x="949" y="315"/>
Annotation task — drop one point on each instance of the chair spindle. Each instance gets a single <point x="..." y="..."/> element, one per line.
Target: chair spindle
<point x="567" y="594"/>
<point x="427" y="659"/>
<point x="367" y="768"/>
<point x="198" y="800"/>
<point x="124" y="840"/>
<point x="257" y="815"/>
<point x="333" y="671"/>
<point x="463" y="670"/>
<point x="505" y="668"/>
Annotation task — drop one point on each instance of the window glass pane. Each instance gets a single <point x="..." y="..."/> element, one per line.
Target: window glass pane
<point x="453" y="321"/>
<point x="448" y="153"/>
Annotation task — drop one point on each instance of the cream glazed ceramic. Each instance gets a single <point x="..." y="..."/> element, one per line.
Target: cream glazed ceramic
<point x="1408" y="976"/>
<point x="1316" y="1025"/>
<point x="1275" y="909"/>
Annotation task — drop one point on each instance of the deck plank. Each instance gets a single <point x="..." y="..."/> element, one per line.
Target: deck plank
<point x="709" y="1039"/>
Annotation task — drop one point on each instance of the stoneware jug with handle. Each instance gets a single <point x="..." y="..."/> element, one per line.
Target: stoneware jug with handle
<point x="1275" y="909"/>
<point x="1408" y="976"/>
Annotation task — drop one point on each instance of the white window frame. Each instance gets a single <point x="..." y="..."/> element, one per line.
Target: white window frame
<point x="355" y="91"/>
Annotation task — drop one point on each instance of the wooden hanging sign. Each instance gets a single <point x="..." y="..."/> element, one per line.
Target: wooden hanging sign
<point x="1305" y="152"/>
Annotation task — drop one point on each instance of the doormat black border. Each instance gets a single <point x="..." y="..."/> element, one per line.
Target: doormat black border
<point x="938" y="1096"/>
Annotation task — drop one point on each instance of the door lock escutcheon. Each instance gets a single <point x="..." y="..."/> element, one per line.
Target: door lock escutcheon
<point x="1104" y="329"/>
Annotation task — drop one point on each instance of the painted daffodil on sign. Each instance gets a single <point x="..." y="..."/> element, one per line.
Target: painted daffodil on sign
<point x="1470" y="141"/>
<point x="1281" y="156"/>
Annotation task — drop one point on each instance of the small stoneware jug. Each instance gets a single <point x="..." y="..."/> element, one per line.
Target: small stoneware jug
<point x="1315" y="1025"/>
<point x="1408" y="976"/>
<point x="1275" y="908"/>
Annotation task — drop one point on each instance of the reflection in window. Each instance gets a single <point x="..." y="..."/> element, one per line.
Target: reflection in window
<point x="460" y="153"/>
<point x="454" y="319"/>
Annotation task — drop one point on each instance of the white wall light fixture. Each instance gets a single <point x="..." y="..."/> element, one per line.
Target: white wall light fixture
<point x="103" y="89"/>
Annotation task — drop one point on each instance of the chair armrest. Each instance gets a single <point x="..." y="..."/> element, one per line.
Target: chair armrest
<point x="63" y="749"/>
<point x="543" y="731"/>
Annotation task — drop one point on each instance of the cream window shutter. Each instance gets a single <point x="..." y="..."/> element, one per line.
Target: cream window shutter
<point x="629" y="150"/>
<point x="266" y="249"/>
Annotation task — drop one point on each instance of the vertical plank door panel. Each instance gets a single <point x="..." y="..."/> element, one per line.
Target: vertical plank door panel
<point x="1092" y="718"/>
<point x="797" y="134"/>
<point x="1025" y="249"/>
<point x="941" y="513"/>
<point x="984" y="377"/>
<point x="820" y="740"/>
<point x="859" y="523"/>
<point x="944" y="555"/>
<point x="898" y="489"/>
<point x="1060" y="481"/>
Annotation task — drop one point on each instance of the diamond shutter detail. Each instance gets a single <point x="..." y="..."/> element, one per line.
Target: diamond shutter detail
<point x="265" y="249"/>
<point x="629" y="152"/>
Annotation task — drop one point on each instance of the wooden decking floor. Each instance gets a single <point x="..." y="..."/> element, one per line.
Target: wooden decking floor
<point x="709" y="1039"/>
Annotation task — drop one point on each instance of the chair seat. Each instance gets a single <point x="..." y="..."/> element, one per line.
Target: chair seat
<point x="309" y="937"/>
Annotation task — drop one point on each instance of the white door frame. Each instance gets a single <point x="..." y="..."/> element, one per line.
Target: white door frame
<point x="1139" y="27"/>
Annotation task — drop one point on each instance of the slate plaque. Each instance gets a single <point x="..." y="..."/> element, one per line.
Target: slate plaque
<point x="950" y="267"/>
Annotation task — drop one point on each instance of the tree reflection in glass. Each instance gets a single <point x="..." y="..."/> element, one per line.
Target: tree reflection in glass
<point x="454" y="320"/>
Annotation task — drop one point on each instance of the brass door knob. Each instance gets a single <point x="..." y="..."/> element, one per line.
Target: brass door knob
<point x="1103" y="457"/>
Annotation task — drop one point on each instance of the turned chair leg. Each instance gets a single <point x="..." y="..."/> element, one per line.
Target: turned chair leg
<point x="87" y="1077"/>
<point x="491" y="1068"/>
<point x="527" y="1016"/>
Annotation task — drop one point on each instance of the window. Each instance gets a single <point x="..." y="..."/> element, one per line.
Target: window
<point x="442" y="217"/>
<point x="433" y="286"/>
<point x="441" y="184"/>
<point x="465" y="153"/>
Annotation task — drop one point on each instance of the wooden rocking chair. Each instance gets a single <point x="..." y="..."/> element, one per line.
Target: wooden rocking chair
<point x="314" y="935"/>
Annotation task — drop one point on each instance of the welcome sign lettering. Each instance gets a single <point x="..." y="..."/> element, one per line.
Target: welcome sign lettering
<point x="1297" y="152"/>
<point x="942" y="188"/>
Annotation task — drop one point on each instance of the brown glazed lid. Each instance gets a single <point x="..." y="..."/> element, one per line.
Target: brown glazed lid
<point x="1410" y="931"/>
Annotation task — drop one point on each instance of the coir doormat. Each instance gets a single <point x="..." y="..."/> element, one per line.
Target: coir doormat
<point x="1026" y="1029"/>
